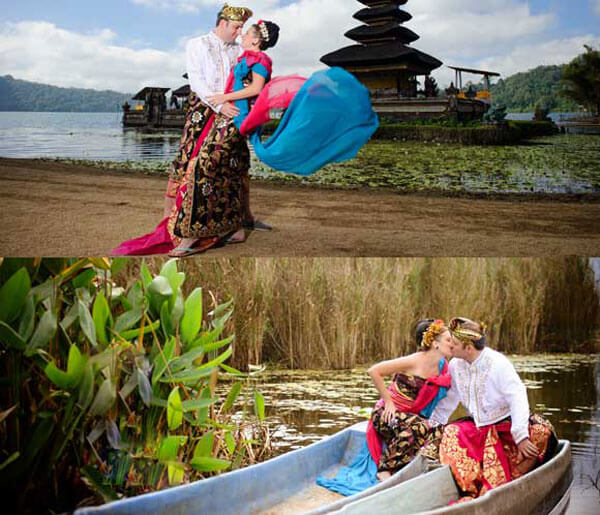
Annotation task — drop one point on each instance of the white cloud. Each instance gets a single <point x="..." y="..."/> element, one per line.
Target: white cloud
<point x="41" y="52"/>
<point x="503" y="35"/>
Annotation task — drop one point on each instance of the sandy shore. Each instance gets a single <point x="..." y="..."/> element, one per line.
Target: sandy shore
<point x="56" y="209"/>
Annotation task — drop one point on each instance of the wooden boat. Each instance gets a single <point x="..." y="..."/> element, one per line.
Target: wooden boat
<point x="285" y="484"/>
<point x="545" y="490"/>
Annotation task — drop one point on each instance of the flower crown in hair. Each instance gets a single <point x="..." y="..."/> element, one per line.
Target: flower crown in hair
<point x="435" y="328"/>
<point x="235" y="13"/>
<point x="264" y="31"/>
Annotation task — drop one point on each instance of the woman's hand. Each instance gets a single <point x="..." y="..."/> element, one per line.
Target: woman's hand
<point x="217" y="99"/>
<point x="389" y="412"/>
<point x="527" y="449"/>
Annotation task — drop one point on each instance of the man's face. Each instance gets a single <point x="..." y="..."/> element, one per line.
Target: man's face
<point x="231" y="30"/>
<point x="459" y="349"/>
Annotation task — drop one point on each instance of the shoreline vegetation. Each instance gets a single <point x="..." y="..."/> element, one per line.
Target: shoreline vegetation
<point x="558" y="167"/>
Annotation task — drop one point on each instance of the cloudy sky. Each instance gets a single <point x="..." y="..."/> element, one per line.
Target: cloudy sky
<point x="124" y="45"/>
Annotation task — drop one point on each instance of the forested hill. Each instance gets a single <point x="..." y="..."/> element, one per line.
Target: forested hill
<point x="21" y="95"/>
<point x="540" y="86"/>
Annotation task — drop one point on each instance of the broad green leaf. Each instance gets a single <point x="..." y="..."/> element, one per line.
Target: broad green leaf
<point x="45" y="331"/>
<point x="174" y="410"/>
<point x="75" y="368"/>
<point x="132" y="334"/>
<point x="188" y="376"/>
<point x="14" y="456"/>
<point x="86" y="322"/>
<point x="27" y="321"/>
<point x="159" y="291"/>
<point x="232" y="371"/>
<point x="259" y="405"/>
<point x="136" y="296"/>
<point x="162" y="359"/>
<point x="84" y="278"/>
<point x="117" y="264"/>
<point x="232" y="396"/>
<point x="169" y="447"/>
<point x="209" y="464"/>
<point x="209" y="347"/>
<point x="204" y="446"/>
<point x="230" y="442"/>
<point x="207" y="337"/>
<point x="203" y="412"/>
<point x="218" y="360"/>
<point x="192" y="316"/>
<point x="220" y="308"/>
<point x="105" y="398"/>
<point x="166" y="320"/>
<point x="186" y="360"/>
<point x="146" y="276"/>
<point x="195" y="404"/>
<point x="86" y="389"/>
<point x="175" y="278"/>
<point x="144" y="387"/>
<point x="178" y="307"/>
<point x="175" y="471"/>
<point x="70" y="317"/>
<point x="12" y="295"/>
<point x="101" y="316"/>
<point x="128" y="319"/>
<point x="9" y="336"/>
<point x="100" y="262"/>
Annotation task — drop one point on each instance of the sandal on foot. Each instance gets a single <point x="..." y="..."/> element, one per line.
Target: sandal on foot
<point x="230" y="238"/>
<point x="200" y="246"/>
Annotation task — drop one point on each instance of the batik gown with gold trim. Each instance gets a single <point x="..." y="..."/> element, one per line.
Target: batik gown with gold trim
<point x="408" y="433"/>
<point x="213" y="200"/>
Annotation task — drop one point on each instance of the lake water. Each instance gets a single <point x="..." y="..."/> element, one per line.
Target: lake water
<point x="304" y="407"/>
<point x="97" y="136"/>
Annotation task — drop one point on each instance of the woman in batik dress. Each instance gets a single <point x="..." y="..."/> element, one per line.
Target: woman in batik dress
<point x="400" y="418"/>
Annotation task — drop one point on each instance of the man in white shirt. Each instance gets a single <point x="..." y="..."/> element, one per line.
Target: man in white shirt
<point x="500" y="441"/>
<point x="209" y="59"/>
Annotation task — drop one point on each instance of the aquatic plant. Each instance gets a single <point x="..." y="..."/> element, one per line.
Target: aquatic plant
<point x="111" y="389"/>
<point x="336" y="313"/>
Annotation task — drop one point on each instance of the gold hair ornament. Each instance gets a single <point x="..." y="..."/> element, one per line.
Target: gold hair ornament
<point x="235" y="13"/>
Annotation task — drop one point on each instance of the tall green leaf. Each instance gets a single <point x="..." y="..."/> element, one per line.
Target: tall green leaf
<point x="159" y="291"/>
<point x="162" y="360"/>
<point x="12" y="295"/>
<point x="86" y="322"/>
<point x="45" y="331"/>
<point x="192" y="316"/>
<point x="86" y="389"/>
<point x="75" y="369"/>
<point x="174" y="410"/>
<point x="232" y="396"/>
<point x="144" y="387"/>
<point x="9" y="336"/>
<point x="101" y="316"/>
<point x="117" y="264"/>
<point x="128" y="319"/>
<point x="105" y="398"/>
<point x="146" y="276"/>
<point x="135" y="333"/>
<point x="259" y="405"/>
<point x="84" y="278"/>
<point x="27" y="320"/>
<point x="204" y="446"/>
<point x="169" y="447"/>
<point x="209" y="464"/>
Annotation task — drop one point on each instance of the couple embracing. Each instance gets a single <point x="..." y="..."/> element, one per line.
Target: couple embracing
<point x="327" y="117"/>
<point x="498" y="441"/>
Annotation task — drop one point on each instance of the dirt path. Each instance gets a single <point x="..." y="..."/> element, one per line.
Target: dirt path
<point x="55" y="209"/>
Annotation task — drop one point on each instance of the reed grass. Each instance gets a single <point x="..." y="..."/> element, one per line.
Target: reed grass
<point x="336" y="313"/>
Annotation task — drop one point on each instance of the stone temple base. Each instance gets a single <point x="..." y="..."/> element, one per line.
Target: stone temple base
<point x="430" y="108"/>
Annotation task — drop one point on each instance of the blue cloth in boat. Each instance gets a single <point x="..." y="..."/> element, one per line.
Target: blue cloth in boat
<point x="329" y="119"/>
<point x="357" y="477"/>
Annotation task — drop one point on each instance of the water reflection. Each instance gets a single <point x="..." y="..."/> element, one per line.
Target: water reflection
<point x="306" y="406"/>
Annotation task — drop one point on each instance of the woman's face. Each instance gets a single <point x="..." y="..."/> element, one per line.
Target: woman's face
<point x="445" y="344"/>
<point x="250" y="39"/>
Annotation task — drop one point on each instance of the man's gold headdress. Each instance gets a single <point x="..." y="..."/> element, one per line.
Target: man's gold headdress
<point x="235" y="13"/>
<point x="464" y="334"/>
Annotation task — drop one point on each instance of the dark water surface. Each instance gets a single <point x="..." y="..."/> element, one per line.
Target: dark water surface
<point x="307" y="406"/>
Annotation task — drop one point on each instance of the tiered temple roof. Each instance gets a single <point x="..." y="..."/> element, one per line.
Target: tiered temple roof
<point x="382" y="59"/>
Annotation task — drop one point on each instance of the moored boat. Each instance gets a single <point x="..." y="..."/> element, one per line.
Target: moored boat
<point x="545" y="490"/>
<point x="285" y="484"/>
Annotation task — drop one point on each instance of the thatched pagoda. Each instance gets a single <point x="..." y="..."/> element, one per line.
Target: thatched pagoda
<point x="382" y="58"/>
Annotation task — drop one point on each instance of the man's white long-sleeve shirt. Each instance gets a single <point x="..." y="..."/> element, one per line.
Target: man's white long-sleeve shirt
<point x="208" y="61"/>
<point x="490" y="389"/>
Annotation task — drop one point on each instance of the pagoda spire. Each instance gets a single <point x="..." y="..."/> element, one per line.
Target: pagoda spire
<point x="382" y="58"/>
